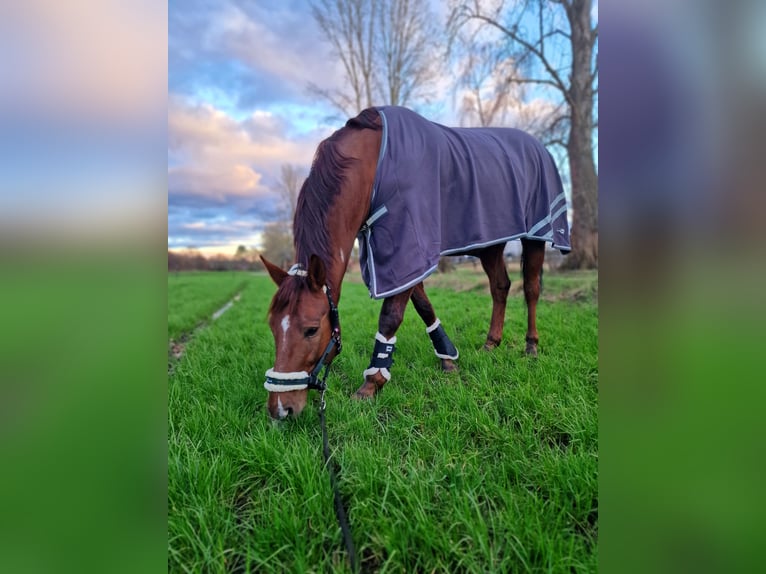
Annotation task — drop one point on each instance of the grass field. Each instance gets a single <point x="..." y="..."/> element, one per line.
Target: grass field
<point x="194" y="296"/>
<point x="491" y="469"/>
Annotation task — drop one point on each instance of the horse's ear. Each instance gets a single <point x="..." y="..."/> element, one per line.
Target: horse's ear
<point x="317" y="275"/>
<point x="277" y="274"/>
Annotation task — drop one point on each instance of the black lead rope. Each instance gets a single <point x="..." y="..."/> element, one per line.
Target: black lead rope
<point x="340" y="510"/>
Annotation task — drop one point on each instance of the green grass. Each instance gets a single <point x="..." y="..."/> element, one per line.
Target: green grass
<point x="491" y="469"/>
<point x="194" y="296"/>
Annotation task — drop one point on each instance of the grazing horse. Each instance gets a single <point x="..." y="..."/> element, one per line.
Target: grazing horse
<point x="411" y="191"/>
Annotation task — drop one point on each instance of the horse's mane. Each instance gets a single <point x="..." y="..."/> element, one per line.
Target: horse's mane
<point x="317" y="195"/>
<point x="327" y="175"/>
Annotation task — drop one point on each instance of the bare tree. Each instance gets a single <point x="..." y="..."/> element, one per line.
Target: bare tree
<point x="278" y="243"/>
<point x="387" y="49"/>
<point x="489" y="94"/>
<point x="407" y="50"/>
<point x="535" y="31"/>
<point x="289" y="186"/>
<point x="349" y="26"/>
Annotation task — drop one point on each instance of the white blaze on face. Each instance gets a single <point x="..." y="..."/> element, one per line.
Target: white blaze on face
<point x="281" y="412"/>
<point x="285" y="327"/>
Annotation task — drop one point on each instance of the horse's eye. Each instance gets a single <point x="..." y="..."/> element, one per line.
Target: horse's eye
<point x="310" y="332"/>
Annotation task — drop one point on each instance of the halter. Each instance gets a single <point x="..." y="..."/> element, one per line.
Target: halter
<point x="277" y="382"/>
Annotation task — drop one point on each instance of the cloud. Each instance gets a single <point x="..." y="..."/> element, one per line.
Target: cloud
<point x="248" y="54"/>
<point x="223" y="172"/>
<point x="213" y="155"/>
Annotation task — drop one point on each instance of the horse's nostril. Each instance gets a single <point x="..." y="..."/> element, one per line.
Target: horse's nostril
<point x="289" y="411"/>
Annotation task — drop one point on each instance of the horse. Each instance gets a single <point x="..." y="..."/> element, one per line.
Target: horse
<point x="403" y="185"/>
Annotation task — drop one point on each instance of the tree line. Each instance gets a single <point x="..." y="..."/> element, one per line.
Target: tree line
<point x="243" y="259"/>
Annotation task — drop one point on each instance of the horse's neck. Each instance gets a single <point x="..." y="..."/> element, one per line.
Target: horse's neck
<point x="352" y="205"/>
<point x="346" y="229"/>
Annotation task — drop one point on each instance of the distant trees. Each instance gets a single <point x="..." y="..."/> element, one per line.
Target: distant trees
<point x="277" y="236"/>
<point x="289" y="186"/>
<point x="278" y="244"/>
<point x="188" y="260"/>
<point x="388" y="50"/>
<point x="537" y="34"/>
<point x="243" y="259"/>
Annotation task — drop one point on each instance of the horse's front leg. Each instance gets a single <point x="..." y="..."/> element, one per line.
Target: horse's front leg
<point x="443" y="347"/>
<point x="378" y="373"/>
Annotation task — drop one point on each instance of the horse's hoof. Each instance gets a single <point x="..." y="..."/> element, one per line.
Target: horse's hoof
<point x="367" y="391"/>
<point x="531" y="351"/>
<point x="449" y="366"/>
<point x="491" y="344"/>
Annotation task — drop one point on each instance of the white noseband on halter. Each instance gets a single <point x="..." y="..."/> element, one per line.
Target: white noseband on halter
<point x="277" y="382"/>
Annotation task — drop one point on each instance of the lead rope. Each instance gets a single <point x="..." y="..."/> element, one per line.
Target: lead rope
<point x="340" y="510"/>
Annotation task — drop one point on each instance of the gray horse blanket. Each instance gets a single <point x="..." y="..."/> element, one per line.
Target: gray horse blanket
<point x="444" y="191"/>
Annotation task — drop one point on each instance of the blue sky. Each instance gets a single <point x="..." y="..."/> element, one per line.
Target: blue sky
<point x="239" y="108"/>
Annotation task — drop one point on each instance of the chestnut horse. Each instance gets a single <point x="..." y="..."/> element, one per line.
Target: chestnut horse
<point x="333" y="207"/>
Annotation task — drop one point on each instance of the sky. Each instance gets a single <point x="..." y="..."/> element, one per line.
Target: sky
<point x="239" y="108"/>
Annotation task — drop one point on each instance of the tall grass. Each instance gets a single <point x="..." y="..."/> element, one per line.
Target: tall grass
<point x="491" y="469"/>
<point x="194" y="296"/>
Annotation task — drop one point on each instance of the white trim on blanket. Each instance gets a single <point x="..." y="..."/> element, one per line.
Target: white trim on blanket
<point x="550" y="218"/>
<point x="398" y="289"/>
<point x="383" y="146"/>
<point x="457" y="250"/>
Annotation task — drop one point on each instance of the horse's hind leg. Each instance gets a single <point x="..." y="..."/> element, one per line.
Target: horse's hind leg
<point x="443" y="347"/>
<point x="532" y="269"/>
<point x="494" y="266"/>
<point x="378" y="374"/>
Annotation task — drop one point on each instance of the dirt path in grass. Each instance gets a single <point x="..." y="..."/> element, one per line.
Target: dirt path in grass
<point x="177" y="347"/>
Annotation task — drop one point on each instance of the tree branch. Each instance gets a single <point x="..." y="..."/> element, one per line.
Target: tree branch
<point x="555" y="141"/>
<point x="533" y="81"/>
<point x="558" y="31"/>
<point x="556" y="79"/>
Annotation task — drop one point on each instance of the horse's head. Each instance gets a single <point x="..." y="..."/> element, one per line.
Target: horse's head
<point x="301" y="323"/>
